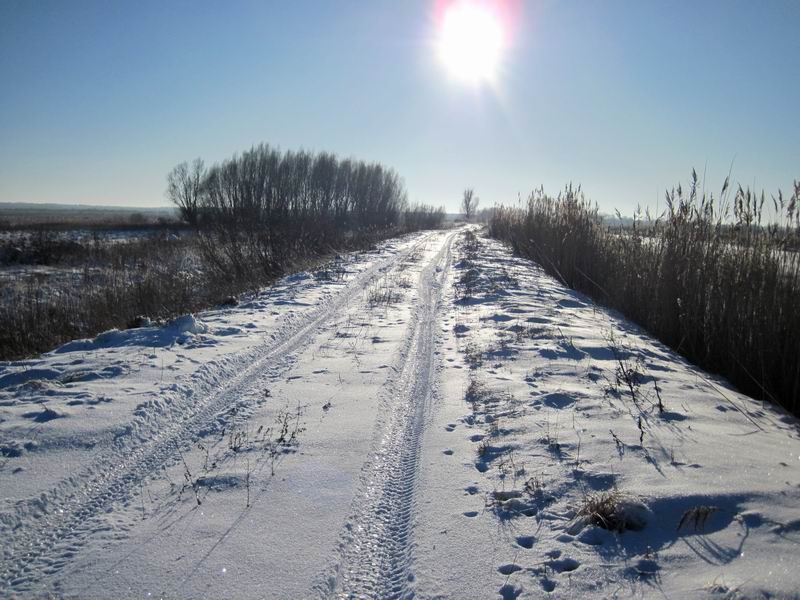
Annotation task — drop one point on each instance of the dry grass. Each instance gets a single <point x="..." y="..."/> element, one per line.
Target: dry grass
<point x="154" y="278"/>
<point x="612" y="510"/>
<point x="717" y="279"/>
<point x="696" y="517"/>
<point x="385" y="291"/>
<point x="113" y="285"/>
<point x="254" y="218"/>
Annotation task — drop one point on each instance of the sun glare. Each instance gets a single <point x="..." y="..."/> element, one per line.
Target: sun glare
<point x="471" y="40"/>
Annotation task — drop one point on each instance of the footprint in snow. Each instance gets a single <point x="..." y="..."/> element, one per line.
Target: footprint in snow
<point x="644" y="568"/>
<point x="526" y="541"/>
<point x="558" y="400"/>
<point x="508" y="569"/>
<point x="537" y="320"/>
<point x="565" y="565"/>
<point x="547" y="584"/>
<point x="500" y="318"/>
<point x="509" y="592"/>
<point x="567" y="303"/>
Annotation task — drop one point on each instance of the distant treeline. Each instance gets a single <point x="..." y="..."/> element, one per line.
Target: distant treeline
<point x="716" y="279"/>
<point x="259" y="210"/>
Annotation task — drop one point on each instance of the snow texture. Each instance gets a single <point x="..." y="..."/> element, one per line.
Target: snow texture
<point x="435" y="418"/>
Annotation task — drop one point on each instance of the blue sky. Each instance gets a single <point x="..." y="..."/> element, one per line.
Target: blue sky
<point x="99" y="100"/>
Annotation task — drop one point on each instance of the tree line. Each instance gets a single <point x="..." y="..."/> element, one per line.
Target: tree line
<point x="259" y="210"/>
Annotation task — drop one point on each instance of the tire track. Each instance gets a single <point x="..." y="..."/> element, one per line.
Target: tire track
<point x="376" y="544"/>
<point x="36" y="549"/>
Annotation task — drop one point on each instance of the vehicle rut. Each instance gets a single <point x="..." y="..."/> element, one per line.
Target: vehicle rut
<point x="34" y="553"/>
<point x="376" y="544"/>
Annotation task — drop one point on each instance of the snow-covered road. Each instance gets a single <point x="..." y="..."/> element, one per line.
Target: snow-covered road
<point x="428" y="419"/>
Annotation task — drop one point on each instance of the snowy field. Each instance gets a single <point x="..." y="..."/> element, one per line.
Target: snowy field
<point x="23" y="237"/>
<point x="69" y="256"/>
<point x="432" y="419"/>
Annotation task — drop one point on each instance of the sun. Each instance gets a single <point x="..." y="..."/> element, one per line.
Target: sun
<point x="471" y="40"/>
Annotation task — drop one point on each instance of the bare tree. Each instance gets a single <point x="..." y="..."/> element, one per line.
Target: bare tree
<point x="184" y="186"/>
<point x="469" y="203"/>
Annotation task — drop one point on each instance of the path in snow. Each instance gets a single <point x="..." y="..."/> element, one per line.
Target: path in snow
<point x="65" y="518"/>
<point x="375" y="548"/>
<point x="423" y="420"/>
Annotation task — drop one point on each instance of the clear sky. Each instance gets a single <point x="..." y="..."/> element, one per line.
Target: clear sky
<point x="99" y="100"/>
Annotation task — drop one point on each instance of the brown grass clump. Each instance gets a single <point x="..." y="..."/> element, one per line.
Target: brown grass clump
<point x="614" y="511"/>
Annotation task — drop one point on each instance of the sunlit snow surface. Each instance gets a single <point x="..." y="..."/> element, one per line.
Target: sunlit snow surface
<point x="238" y="453"/>
<point x="544" y="406"/>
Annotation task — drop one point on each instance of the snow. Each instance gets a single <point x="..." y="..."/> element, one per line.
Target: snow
<point x="481" y="431"/>
<point x="706" y="490"/>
